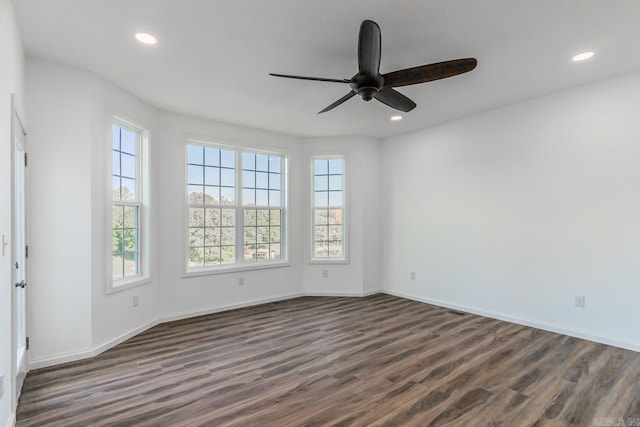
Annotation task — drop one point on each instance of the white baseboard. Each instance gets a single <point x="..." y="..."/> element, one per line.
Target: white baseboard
<point x="341" y="294"/>
<point x="194" y="313"/>
<point x="89" y="352"/>
<point x="11" y="421"/>
<point x="544" y="326"/>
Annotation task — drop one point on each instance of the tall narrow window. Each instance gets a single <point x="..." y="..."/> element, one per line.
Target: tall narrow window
<point x="328" y="209"/>
<point x="236" y="207"/>
<point x="126" y="222"/>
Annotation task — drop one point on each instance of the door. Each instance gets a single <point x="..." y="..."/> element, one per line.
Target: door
<point x="19" y="256"/>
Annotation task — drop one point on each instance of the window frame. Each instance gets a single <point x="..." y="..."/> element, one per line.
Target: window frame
<point x="141" y="202"/>
<point x="345" y="222"/>
<point x="240" y="264"/>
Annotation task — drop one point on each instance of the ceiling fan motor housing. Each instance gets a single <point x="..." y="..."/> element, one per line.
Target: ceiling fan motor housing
<point x="367" y="85"/>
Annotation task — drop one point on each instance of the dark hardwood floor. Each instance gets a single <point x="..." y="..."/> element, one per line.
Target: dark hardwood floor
<point x="313" y="361"/>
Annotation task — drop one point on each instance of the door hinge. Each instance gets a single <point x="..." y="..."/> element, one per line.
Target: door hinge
<point x="26" y="251"/>
<point x="27" y="343"/>
<point x="26" y="159"/>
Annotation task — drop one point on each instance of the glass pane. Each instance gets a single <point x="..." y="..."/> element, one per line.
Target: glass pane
<point x="262" y="180"/>
<point x="118" y="266"/>
<point x="228" y="217"/>
<point x="263" y="217"/>
<point x="227" y="195"/>
<point x="227" y="159"/>
<point x="211" y="195"/>
<point x="262" y="163"/>
<point x="250" y="217"/>
<point x="116" y="188"/>
<point x="211" y="176"/>
<point x="321" y="233"/>
<point x="320" y="167"/>
<point x="130" y="214"/>
<point x="195" y="175"/>
<point x="130" y="263"/>
<point x="128" y="141"/>
<point x="115" y="137"/>
<point x="321" y="183"/>
<point x="274" y="234"/>
<point x="129" y="243"/>
<point x="196" y="236"/>
<point x="249" y="253"/>
<point x="274" y="217"/>
<point x="115" y="163"/>
<point x="321" y="199"/>
<point x="321" y="250"/>
<point x="274" y="181"/>
<point x="262" y="253"/>
<point x="195" y="155"/>
<point x="128" y="163"/>
<point x="212" y="217"/>
<point x="228" y="236"/>
<point x="274" y="198"/>
<point x="128" y="190"/>
<point x="212" y="236"/>
<point x="248" y="196"/>
<point x="274" y="251"/>
<point x="248" y="179"/>
<point x="228" y="177"/>
<point x="335" y="182"/>
<point x="275" y="164"/>
<point x="228" y="254"/>
<point x="262" y="197"/>
<point x="335" y="249"/>
<point x="117" y="241"/>
<point x="335" y="198"/>
<point x="195" y="194"/>
<point x="248" y="161"/>
<point x="212" y="256"/>
<point x="250" y="235"/>
<point x="211" y="156"/>
<point x="118" y="216"/>
<point x="335" y="166"/>
<point x="335" y="232"/>
<point x="196" y="217"/>
<point x="335" y="216"/>
<point x="263" y="234"/>
<point x="321" y="217"/>
<point x="196" y="257"/>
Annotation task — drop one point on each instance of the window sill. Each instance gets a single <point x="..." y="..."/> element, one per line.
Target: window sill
<point x="124" y="284"/>
<point x="233" y="269"/>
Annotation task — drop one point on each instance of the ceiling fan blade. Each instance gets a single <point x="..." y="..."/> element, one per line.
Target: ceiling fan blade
<point x="395" y="99"/>
<point x="339" y="101"/>
<point x="369" y="48"/>
<point x="427" y="73"/>
<point x="320" y="79"/>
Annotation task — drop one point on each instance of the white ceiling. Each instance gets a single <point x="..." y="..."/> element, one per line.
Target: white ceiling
<point x="213" y="57"/>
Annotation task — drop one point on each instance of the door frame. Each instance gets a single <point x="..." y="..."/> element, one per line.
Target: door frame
<point x="18" y="373"/>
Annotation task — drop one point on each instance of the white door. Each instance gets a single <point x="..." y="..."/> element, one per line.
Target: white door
<point x="19" y="256"/>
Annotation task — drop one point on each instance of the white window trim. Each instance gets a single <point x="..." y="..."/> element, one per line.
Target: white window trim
<point x="240" y="265"/>
<point x="345" y="212"/>
<point x="142" y="158"/>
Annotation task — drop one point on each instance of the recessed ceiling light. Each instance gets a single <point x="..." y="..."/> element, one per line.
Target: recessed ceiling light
<point x="396" y="118"/>
<point x="582" y="56"/>
<point x="146" y="38"/>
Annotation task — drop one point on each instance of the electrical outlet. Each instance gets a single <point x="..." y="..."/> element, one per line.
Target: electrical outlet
<point x="136" y="300"/>
<point x="240" y="281"/>
<point x="412" y="275"/>
<point x="579" y="302"/>
<point x="325" y="273"/>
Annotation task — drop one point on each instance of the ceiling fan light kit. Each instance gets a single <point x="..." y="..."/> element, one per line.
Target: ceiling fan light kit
<point x="370" y="84"/>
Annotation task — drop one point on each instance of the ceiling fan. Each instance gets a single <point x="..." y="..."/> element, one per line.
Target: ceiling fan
<point x="369" y="83"/>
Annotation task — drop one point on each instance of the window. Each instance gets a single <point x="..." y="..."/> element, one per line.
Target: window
<point x="235" y="202"/>
<point x="127" y="202"/>
<point x="328" y="210"/>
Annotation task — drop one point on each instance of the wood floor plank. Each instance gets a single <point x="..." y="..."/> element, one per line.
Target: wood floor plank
<point x="331" y="361"/>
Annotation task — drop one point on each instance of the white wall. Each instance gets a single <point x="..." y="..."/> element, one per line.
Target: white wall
<point x="182" y="296"/>
<point x="363" y="273"/>
<point x="11" y="81"/>
<point x="515" y="211"/>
